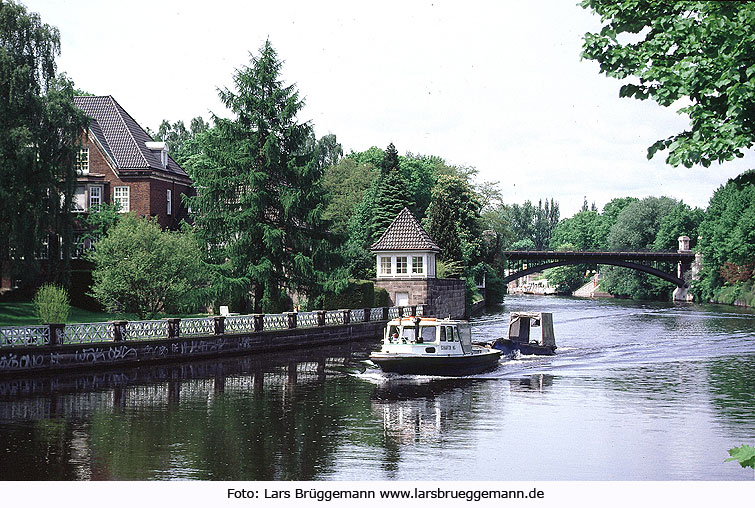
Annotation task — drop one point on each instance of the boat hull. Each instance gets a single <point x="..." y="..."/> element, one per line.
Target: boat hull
<point x="438" y="365"/>
<point x="510" y="347"/>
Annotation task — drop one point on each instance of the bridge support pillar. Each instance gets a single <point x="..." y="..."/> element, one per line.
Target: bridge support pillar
<point x="681" y="294"/>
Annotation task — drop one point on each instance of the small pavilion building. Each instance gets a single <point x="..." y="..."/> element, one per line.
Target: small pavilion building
<point x="405" y="268"/>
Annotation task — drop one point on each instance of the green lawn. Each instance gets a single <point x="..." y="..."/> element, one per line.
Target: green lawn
<point x="23" y="313"/>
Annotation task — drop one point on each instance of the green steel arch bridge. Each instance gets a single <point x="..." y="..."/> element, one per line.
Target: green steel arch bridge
<point x="526" y="262"/>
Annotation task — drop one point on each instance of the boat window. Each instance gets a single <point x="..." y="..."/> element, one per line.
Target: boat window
<point x="428" y="333"/>
<point x="442" y="333"/>
<point x="407" y="333"/>
<point x="391" y="332"/>
<point x="450" y="334"/>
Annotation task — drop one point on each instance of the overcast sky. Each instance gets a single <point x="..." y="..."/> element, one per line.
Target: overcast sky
<point x="495" y="85"/>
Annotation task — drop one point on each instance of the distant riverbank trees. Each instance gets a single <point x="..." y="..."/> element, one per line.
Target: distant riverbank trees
<point x="629" y="224"/>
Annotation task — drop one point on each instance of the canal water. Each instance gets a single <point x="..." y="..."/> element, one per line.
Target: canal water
<point x="636" y="391"/>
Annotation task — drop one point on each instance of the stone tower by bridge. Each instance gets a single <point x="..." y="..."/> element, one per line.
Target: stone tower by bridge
<point x="405" y="268"/>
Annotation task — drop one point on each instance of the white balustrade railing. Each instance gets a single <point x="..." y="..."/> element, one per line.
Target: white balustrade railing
<point x="275" y="322"/>
<point x="25" y="335"/>
<point x="334" y="317"/>
<point x="142" y="330"/>
<point x="190" y="327"/>
<point x="238" y="324"/>
<point x="306" y="320"/>
<point x="82" y="333"/>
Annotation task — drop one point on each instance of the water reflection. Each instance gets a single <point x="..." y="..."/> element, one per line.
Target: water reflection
<point x="618" y="401"/>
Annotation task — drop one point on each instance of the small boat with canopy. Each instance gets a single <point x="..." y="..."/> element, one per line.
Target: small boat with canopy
<point x="434" y="347"/>
<point x="530" y="333"/>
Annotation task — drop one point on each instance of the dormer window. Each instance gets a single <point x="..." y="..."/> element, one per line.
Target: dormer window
<point x="159" y="148"/>
<point x="82" y="161"/>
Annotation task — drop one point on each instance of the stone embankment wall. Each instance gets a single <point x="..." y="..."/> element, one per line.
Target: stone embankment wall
<point x="25" y="359"/>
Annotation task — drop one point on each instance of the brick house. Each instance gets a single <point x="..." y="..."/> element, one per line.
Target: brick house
<point x="405" y="268"/>
<point x="120" y="163"/>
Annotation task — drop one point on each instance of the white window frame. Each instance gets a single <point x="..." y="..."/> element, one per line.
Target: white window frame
<point x="385" y="265"/>
<point x="418" y="268"/>
<point x="402" y="269"/>
<point x="82" y="161"/>
<point x="95" y="195"/>
<point x="122" y="196"/>
<point x="169" y="204"/>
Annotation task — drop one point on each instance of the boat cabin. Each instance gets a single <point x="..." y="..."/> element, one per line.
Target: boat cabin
<point x="532" y="328"/>
<point x="427" y="336"/>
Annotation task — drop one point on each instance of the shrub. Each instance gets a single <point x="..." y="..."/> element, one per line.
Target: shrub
<point x="358" y="294"/>
<point x="52" y="304"/>
<point x="382" y="298"/>
<point x="141" y="269"/>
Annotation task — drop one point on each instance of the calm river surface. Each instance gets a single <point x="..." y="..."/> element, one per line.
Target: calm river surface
<point x="636" y="391"/>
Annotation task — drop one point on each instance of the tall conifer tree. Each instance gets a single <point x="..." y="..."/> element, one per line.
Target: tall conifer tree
<point x="259" y="201"/>
<point x="392" y="198"/>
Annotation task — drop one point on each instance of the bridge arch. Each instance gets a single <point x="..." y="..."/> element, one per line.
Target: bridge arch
<point x="614" y="262"/>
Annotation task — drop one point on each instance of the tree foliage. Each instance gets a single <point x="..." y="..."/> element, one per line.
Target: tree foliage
<point x="527" y="222"/>
<point x="345" y="184"/>
<point x="178" y="137"/>
<point x="636" y="228"/>
<point x="583" y="231"/>
<point x="409" y="183"/>
<point x="699" y="51"/>
<point x="329" y="150"/>
<point x="260" y="201"/>
<point x="727" y="235"/>
<point x="391" y="198"/>
<point x="454" y="221"/>
<point x="390" y="160"/>
<point x="39" y="132"/>
<point x="744" y="454"/>
<point x="141" y="269"/>
<point x="566" y="278"/>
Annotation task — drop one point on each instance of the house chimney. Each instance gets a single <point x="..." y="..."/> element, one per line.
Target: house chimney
<point x="159" y="148"/>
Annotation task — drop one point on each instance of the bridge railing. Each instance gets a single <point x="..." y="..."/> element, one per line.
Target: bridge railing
<point x="170" y="328"/>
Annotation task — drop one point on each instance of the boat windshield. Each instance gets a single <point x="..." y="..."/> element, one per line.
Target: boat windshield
<point x="428" y="333"/>
<point x="407" y="332"/>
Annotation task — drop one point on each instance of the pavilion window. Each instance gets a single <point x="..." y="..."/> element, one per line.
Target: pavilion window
<point x="401" y="264"/>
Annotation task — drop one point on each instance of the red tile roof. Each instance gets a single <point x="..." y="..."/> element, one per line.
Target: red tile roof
<point x="121" y="137"/>
<point x="405" y="233"/>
